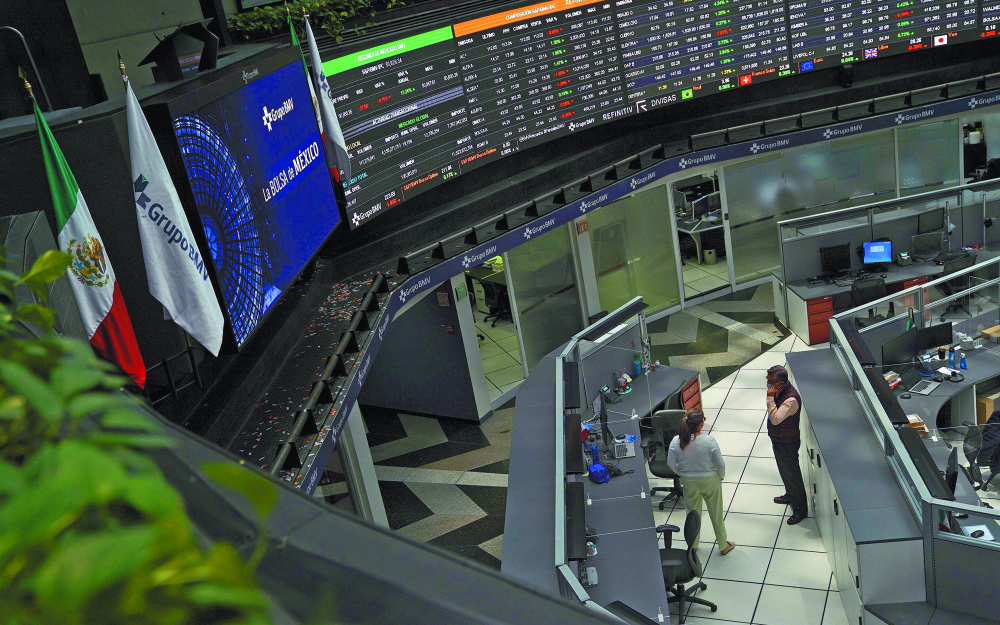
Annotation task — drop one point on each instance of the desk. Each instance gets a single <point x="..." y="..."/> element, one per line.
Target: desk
<point x="628" y="557"/>
<point x="695" y="228"/>
<point x="810" y="306"/>
<point x="872" y="540"/>
<point x="983" y="364"/>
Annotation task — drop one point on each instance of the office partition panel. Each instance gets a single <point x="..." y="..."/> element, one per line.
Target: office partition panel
<point x="633" y="251"/>
<point x="544" y="293"/>
<point x="928" y="157"/>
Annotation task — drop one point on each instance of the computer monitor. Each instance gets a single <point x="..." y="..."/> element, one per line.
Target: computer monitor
<point x="926" y="246"/>
<point x="877" y="252"/>
<point x="607" y="438"/>
<point x="934" y="336"/>
<point x="930" y="221"/>
<point x="951" y="472"/>
<point x="898" y="353"/>
<point x="835" y="259"/>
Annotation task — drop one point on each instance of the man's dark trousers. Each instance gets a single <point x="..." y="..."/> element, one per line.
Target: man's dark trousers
<point x="787" y="457"/>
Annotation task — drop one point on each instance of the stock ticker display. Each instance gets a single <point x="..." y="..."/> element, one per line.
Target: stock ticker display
<point x="418" y="111"/>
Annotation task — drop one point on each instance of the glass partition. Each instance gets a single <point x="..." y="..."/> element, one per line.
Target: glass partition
<point x="801" y="182"/>
<point x="928" y="157"/>
<point x="633" y="251"/>
<point x="546" y="298"/>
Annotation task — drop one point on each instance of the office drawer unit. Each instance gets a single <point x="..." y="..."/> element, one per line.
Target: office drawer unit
<point x="872" y="543"/>
<point x="691" y="395"/>
<point x="819" y="312"/>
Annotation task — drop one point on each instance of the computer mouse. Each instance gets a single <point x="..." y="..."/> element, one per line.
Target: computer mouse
<point x="978" y="534"/>
<point x="905" y="396"/>
<point x="938" y="378"/>
<point x="620" y="438"/>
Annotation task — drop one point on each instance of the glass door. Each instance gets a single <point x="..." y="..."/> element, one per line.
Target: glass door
<point x="697" y="204"/>
<point x="633" y="251"/>
<point x="544" y="294"/>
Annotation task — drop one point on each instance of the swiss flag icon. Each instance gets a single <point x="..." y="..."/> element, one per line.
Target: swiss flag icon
<point x="746" y="79"/>
<point x="940" y="40"/>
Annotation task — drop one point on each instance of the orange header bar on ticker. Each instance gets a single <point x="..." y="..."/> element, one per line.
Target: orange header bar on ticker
<point x="518" y="15"/>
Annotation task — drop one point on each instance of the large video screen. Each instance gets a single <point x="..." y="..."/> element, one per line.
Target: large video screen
<point x="418" y="111"/>
<point x="255" y="163"/>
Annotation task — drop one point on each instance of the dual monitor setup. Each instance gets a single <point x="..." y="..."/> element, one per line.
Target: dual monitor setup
<point x="901" y="355"/>
<point x="927" y="244"/>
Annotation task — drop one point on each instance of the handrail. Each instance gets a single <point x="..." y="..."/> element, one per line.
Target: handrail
<point x="34" y="68"/>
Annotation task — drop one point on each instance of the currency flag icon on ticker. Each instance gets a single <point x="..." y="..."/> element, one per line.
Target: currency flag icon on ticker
<point x="940" y="40"/>
<point x="687" y="94"/>
<point x="871" y="53"/>
<point x="746" y="79"/>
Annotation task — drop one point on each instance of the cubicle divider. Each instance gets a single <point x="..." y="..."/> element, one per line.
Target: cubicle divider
<point x="954" y="560"/>
<point x="596" y="354"/>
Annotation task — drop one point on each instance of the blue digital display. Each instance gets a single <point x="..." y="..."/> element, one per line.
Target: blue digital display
<point x="878" y="252"/>
<point x="257" y="169"/>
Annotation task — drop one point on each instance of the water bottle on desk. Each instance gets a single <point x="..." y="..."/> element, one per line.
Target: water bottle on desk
<point x="951" y="357"/>
<point x="595" y="454"/>
<point x="963" y="365"/>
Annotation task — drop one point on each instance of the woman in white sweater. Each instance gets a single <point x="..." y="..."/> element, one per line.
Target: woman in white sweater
<point x="697" y="459"/>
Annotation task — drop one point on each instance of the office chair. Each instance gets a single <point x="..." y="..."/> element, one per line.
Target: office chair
<point x="865" y="291"/>
<point x="957" y="285"/>
<point x="495" y="301"/>
<point x="665" y="424"/>
<point x="681" y="566"/>
<point x="981" y="447"/>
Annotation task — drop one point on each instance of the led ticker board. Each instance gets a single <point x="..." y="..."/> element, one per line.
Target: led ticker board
<point x="421" y="110"/>
<point x="828" y="33"/>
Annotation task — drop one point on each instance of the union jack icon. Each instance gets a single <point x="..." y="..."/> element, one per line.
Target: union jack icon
<point x="871" y="53"/>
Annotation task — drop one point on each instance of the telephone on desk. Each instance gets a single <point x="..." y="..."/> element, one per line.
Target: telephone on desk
<point x="903" y="259"/>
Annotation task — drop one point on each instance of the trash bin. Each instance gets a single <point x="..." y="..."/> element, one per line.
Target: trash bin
<point x="710" y="258"/>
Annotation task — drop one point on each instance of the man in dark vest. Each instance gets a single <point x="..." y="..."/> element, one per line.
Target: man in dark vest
<point x="783" y="406"/>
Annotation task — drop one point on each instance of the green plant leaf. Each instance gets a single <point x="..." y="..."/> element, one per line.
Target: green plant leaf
<point x="141" y="441"/>
<point x="88" y="403"/>
<point x="34" y="389"/>
<point x="71" y="379"/>
<point x="227" y="595"/>
<point x="257" y="489"/>
<point x="89" y="566"/>
<point x="127" y="418"/>
<point x="11" y="479"/>
<point x="47" y="267"/>
<point x="42" y="316"/>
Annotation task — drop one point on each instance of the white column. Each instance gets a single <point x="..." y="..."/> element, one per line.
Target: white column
<point x="359" y="470"/>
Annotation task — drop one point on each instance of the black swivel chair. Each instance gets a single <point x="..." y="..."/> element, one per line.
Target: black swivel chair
<point x="665" y="424"/>
<point x="958" y="284"/>
<point x="865" y="291"/>
<point x="681" y="566"/>
<point x="496" y="301"/>
<point x="982" y="448"/>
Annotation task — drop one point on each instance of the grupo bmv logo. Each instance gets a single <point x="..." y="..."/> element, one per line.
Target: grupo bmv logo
<point x="979" y="101"/>
<point x="275" y="115"/>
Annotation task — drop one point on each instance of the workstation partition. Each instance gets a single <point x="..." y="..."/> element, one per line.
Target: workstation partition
<point x="593" y="542"/>
<point x="918" y="225"/>
<point x="948" y="501"/>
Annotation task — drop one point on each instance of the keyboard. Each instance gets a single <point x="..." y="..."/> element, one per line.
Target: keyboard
<point x="624" y="450"/>
<point x="947" y="257"/>
<point x="924" y="387"/>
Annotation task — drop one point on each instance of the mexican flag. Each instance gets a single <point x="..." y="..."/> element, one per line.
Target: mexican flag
<point x="91" y="277"/>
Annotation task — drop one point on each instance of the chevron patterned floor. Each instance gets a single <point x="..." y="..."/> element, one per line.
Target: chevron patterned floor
<point x="444" y="482"/>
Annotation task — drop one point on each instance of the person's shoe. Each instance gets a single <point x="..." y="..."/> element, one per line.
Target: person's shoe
<point x="795" y="519"/>
<point x="782" y="500"/>
<point x="730" y="545"/>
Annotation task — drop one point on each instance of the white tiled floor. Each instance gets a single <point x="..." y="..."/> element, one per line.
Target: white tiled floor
<point x="779" y="574"/>
<point x="703" y="278"/>
<point x="500" y="354"/>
